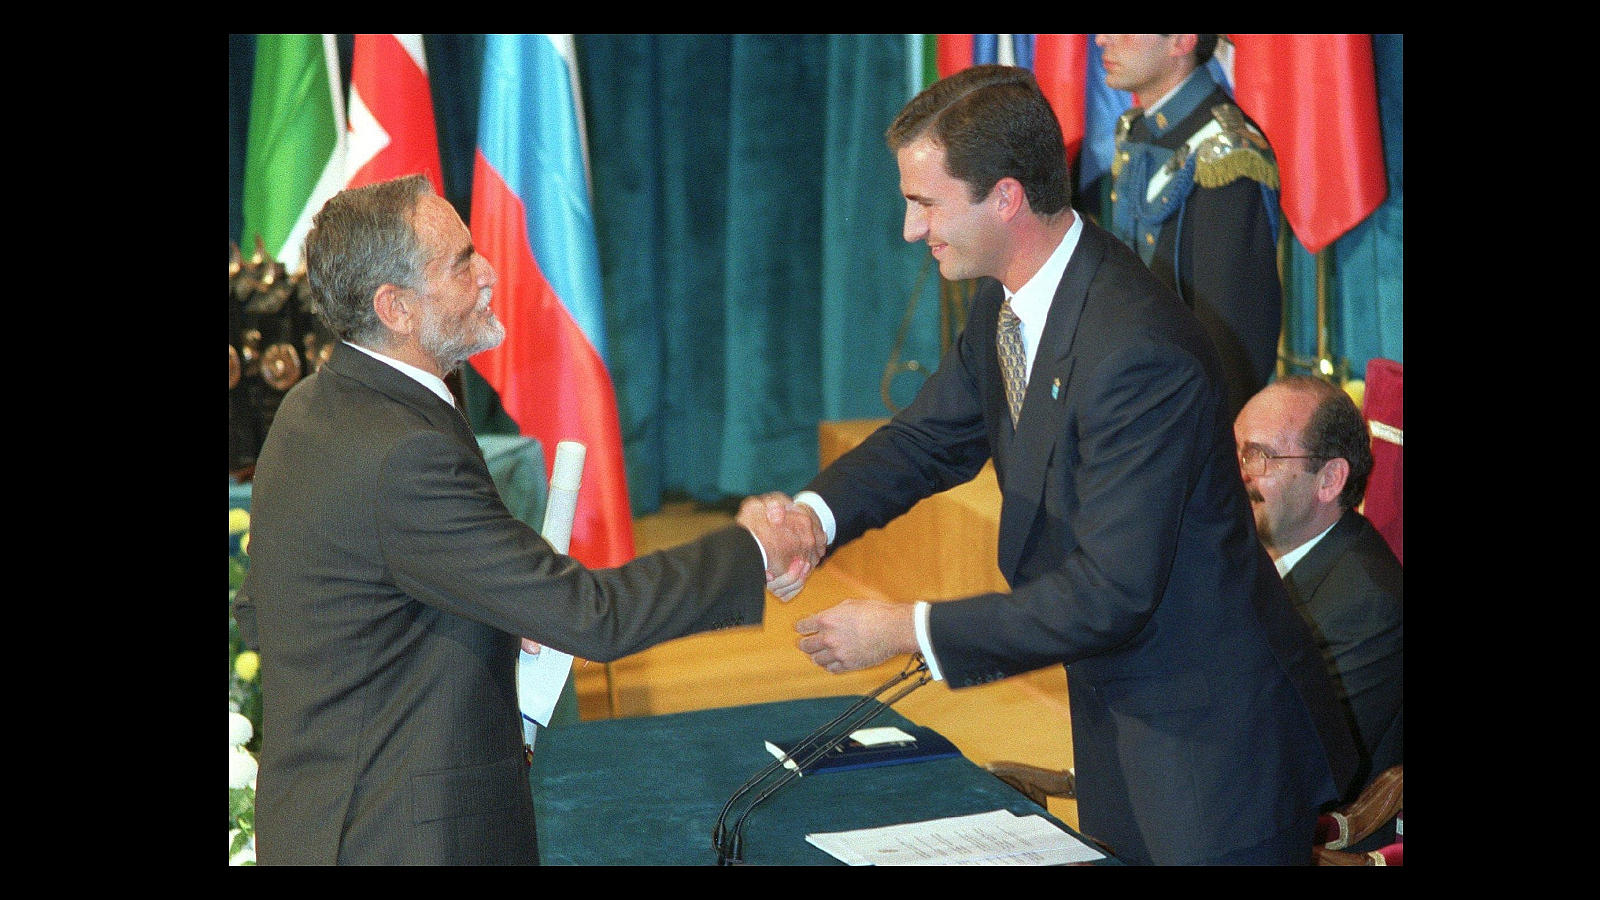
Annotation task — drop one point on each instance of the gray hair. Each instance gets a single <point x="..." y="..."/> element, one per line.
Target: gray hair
<point x="362" y="239"/>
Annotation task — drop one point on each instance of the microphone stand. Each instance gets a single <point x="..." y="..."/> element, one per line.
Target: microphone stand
<point x="718" y="833"/>
<point x="729" y="844"/>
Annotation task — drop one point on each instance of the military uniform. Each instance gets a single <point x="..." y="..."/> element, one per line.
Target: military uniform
<point x="1194" y="191"/>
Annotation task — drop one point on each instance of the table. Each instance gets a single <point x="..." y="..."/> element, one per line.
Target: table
<point x="647" y="791"/>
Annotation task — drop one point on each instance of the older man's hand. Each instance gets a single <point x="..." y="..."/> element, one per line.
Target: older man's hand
<point x="790" y="534"/>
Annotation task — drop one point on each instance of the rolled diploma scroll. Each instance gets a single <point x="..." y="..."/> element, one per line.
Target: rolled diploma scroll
<point x="542" y="675"/>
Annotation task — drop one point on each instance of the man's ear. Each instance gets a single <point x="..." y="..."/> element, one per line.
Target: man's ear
<point x="1009" y="197"/>
<point x="1330" y="481"/>
<point x="1184" y="44"/>
<point x="395" y="307"/>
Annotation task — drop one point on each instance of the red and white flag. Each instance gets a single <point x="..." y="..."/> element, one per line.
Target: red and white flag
<point x="392" y="130"/>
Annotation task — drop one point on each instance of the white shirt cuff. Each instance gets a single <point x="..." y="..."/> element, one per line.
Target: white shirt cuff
<point x="820" y="506"/>
<point x="919" y="616"/>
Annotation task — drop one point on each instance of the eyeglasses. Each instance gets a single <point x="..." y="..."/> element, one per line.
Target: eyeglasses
<point x="1253" y="461"/>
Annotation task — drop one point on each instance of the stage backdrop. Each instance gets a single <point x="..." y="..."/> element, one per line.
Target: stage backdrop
<point x="748" y="217"/>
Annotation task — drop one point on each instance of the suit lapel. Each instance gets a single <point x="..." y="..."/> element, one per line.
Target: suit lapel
<point x="1044" y="406"/>
<point x="401" y="388"/>
<point x="1307" y="575"/>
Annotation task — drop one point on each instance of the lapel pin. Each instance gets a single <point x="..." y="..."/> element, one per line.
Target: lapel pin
<point x="1055" y="389"/>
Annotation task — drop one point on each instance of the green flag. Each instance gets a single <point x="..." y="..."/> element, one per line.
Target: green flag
<point x="294" y="159"/>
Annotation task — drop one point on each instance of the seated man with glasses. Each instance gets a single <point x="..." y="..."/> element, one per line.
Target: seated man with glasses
<point x="1305" y="455"/>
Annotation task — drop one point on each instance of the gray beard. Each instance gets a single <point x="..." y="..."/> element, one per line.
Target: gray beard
<point x="451" y="350"/>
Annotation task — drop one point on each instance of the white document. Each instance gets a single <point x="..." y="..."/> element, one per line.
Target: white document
<point x="998" y="838"/>
<point x="866" y="737"/>
<point x="540" y="678"/>
<point x="542" y="675"/>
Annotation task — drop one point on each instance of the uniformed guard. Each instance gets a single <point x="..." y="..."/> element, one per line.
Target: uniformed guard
<point x="1152" y="179"/>
<point x="1195" y="192"/>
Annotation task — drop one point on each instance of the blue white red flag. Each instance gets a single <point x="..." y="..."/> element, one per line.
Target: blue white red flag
<point x="532" y="219"/>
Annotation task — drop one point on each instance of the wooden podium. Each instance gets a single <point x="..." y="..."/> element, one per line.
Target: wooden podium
<point x="942" y="548"/>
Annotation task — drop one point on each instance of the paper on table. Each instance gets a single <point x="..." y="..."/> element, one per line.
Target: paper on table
<point x="887" y="735"/>
<point x="884" y="734"/>
<point x="998" y="838"/>
<point x="542" y="675"/>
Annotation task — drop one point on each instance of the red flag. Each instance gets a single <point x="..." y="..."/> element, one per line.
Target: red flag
<point x="1060" y="62"/>
<point x="1316" y="98"/>
<point x="955" y="53"/>
<point x="392" y="130"/>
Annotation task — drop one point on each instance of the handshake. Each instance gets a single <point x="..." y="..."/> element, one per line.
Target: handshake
<point x="792" y="536"/>
<point x="855" y="634"/>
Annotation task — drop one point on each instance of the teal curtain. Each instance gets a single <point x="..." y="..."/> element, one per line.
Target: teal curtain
<point x="749" y="222"/>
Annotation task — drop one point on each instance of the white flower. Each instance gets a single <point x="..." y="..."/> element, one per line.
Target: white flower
<point x="239" y="730"/>
<point x="241" y="768"/>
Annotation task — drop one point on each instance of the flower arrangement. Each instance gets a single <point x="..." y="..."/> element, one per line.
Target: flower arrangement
<point x="241" y="793"/>
<point x="244" y="707"/>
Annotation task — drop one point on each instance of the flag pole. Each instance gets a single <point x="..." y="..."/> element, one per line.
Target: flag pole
<point x="1323" y="365"/>
<point x="1328" y="368"/>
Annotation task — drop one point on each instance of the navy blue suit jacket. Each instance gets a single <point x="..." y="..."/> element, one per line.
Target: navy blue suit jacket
<point x="1203" y="723"/>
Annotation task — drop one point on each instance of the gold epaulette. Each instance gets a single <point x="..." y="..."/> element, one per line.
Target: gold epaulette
<point x="1237" y="151"/>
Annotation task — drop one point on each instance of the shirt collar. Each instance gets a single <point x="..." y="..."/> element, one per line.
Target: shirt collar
<point x="423" y="377"/>
<point x="1287" y="561"/>
<point x="1176" y="104"/>
<point x="1032" y="301"/>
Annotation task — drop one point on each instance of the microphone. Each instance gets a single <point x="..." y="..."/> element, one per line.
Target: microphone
<point x="729" y="843"/>
<point x="736" y="844"/>
<point x="802" y="746"/>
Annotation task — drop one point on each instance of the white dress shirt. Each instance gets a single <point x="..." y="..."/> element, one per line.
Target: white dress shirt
<point x="1287" y="561"/>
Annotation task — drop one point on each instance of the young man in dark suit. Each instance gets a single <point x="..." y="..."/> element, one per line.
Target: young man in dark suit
<point x="389" y="585"/>
<point x="1204" y="729"/>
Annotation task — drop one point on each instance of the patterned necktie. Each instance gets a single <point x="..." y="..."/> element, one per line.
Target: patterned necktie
<point x="1013" y="361"/>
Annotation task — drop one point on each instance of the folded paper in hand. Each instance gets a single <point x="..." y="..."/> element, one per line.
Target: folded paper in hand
<point x="869" y="747"/>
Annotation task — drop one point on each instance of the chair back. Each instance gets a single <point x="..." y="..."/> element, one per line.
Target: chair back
<point x="1383" y="408"/>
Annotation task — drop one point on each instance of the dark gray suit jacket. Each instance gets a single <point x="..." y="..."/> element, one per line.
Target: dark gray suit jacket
<point x="387" y="589"/>
<point x="1197" y="698"/>
<point x="1351" y="590"/>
